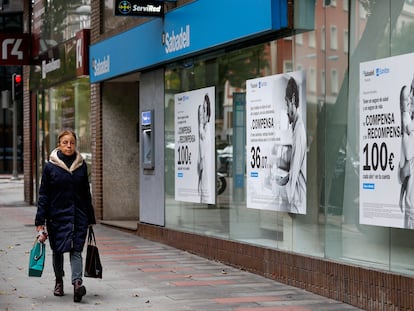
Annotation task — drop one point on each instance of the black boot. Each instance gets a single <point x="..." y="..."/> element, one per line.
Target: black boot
<point x="58" y="291"/>
<point x="78" y="290"/>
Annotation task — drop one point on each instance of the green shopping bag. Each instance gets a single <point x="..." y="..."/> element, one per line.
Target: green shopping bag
<point x="37" y="259"/>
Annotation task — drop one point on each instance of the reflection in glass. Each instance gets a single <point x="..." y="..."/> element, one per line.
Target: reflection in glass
<point x="330" y="54"/>
<point x="60" y="107"/>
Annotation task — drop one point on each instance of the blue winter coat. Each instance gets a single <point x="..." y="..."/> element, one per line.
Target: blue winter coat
<point x="65" y="204"/>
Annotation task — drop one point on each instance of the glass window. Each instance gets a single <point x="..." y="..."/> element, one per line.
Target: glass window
<point x="311" y="38"/>
<point x="331" y="226"/>
<point x="345" y="5"/>
<point x="11" y="23"/>
<point x="65" y="106"/>
<point x="229" y="217"/>
<point x="363" y="10"/>
<point x="287" y="66"/>
<point x="323" y="39"/>
<point x="334" y="81"/>
<point x="334" y="38"/>
<point x="312" y="80"/>
<point x="55" y="21"/>
<point x="347" y="239"/>
<point x="322" y="89"/>
<point x="299" y="38"/>
<point x="329" y="3"/>
<point x="345" y="41"/>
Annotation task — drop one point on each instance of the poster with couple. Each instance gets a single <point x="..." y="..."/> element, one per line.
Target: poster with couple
<point x="276" y="143"/>
<point x="386" y="189"/>
<point x="194" y="146"/>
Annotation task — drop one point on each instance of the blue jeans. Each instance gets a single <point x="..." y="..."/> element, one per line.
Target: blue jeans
<point x="75" y="263"/>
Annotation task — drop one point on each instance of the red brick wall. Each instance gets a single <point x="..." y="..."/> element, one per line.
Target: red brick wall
<point x="96" y="139"/>
<point x="28" y="122"/>
<point x="96" y="116"/>
<point x="29" y="119"/>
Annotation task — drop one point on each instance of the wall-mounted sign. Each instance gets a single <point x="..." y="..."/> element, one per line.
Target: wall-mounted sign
<point x="62" y="62"/>
<point x="182" y="32"/>
<point x="82" y="52"/>
<point x="15" y="49"/>
<point x="139" y="8"/>
<point x="386" y="106"/>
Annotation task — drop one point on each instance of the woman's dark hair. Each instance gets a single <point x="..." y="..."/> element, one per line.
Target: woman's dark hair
<point x="292" y="92"/>
<point x="207" y="100"/>
<point x="402" y="100"/>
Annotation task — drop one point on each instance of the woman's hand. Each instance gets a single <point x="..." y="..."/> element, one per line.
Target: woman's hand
<point x="41" y="234"/>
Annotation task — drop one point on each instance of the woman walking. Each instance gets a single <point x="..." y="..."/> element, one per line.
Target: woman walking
<point x="65" y="210"/>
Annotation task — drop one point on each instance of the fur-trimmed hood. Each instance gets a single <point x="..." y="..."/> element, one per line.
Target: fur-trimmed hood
<point x="54" y="159"/>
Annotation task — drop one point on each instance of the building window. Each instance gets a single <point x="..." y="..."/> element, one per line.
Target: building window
<point x="288" y="66"/>
<point x="362" y="11"/>
<point x="312" y="80"/>
<point x="299" y="39"/>
<point x="323" y="81"/>
<point x="346" y="41"/>
<point x="57" y="21"/>
<point x="334" y="38"/>
<point x="311" y="38"/>
<point x="327" y="3"/>
<point x="11" y="23"/>
<point x="323" y="39"/>
<point x="345" y="5"/>
<point x="334" y="81"/>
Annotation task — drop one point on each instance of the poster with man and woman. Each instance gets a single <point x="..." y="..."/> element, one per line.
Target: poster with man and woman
<point x="195" y="146"/>
<point x="276" y="142"/>
<point x="386" y="195"/>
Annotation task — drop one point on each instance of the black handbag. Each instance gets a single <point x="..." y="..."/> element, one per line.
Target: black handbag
<point x="93" y="265"/>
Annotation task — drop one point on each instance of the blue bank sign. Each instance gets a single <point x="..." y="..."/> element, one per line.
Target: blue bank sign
<point x="189" y="29"/>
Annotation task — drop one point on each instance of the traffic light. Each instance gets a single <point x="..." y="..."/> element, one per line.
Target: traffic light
<point x="17" y="86"/>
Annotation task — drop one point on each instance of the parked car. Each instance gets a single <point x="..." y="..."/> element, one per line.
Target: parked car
<point x="225" y="160"/>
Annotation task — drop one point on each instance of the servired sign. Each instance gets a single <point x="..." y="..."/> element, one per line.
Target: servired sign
<point x="139" y="8"/>
<point x="14" y="49"/>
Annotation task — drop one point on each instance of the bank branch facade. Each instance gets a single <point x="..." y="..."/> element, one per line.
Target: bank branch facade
<point x="254" y="133"/>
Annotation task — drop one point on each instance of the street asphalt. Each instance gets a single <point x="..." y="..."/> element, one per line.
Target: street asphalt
<point x="138" y="274"/>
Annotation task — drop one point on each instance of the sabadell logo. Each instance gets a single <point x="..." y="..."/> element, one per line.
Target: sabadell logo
<point x="176" y="42"/>
<point x="124" y="7"/>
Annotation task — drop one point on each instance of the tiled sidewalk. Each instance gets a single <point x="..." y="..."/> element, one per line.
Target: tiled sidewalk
<point x="138" y="275"/>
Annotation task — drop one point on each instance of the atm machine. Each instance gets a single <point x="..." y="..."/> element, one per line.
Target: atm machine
<point x="147" y="136"/>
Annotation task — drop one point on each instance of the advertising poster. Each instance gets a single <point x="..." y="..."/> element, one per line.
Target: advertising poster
<point x="386" y="142"/>
<point x="276" y="142"/>
<point x="195" y="146"/>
